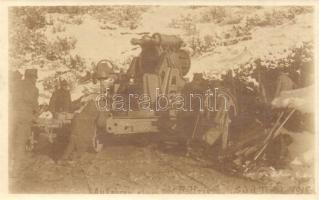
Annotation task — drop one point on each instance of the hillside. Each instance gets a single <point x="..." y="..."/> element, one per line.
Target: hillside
<point x="219" y="38"/>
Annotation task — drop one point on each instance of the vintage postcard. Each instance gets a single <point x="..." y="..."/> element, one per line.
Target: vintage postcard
<point x="159" y="98"/>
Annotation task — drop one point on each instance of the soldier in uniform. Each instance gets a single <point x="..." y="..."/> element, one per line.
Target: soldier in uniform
<point x="61" y="99"/>
<point x="60" y="102"/>
<point x="188" y="120"/>
<point x="24" y="111"/>
<point x="284" y="83"/>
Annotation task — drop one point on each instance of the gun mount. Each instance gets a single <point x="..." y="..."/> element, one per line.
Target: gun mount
<point x="159" y="69"/>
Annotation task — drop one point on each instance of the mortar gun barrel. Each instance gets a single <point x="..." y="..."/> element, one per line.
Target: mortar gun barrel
<point x="166" y="41"/>
<point x="144" y="41"/>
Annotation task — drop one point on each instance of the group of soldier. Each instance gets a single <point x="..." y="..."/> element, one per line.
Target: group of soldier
<point x="24" y="110"/>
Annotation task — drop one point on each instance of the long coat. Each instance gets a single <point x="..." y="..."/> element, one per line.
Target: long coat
<point x="60" y="101"/>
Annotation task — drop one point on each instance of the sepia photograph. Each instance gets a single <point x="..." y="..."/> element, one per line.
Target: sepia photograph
<point x="161" y="99"/>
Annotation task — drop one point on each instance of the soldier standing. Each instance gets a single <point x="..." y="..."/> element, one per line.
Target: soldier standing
<point x="24" y="112"/>
<point x="284" y="83"/>
<point x="60" y="102"/>
<point x="61" y="99"/>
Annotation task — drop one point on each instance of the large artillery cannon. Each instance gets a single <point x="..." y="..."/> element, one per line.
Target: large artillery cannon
<point x="158" y="73"/>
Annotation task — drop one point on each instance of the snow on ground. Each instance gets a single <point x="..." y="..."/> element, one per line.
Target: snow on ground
<point x="299" y="99"/>
<point x="264" y="41"/>
<point x="158" y="18"/>
<point x="94" y="43"/>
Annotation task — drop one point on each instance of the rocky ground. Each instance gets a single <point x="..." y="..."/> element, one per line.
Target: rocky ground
<point x="130" y="169"/>
<point x="127" y="166"/>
